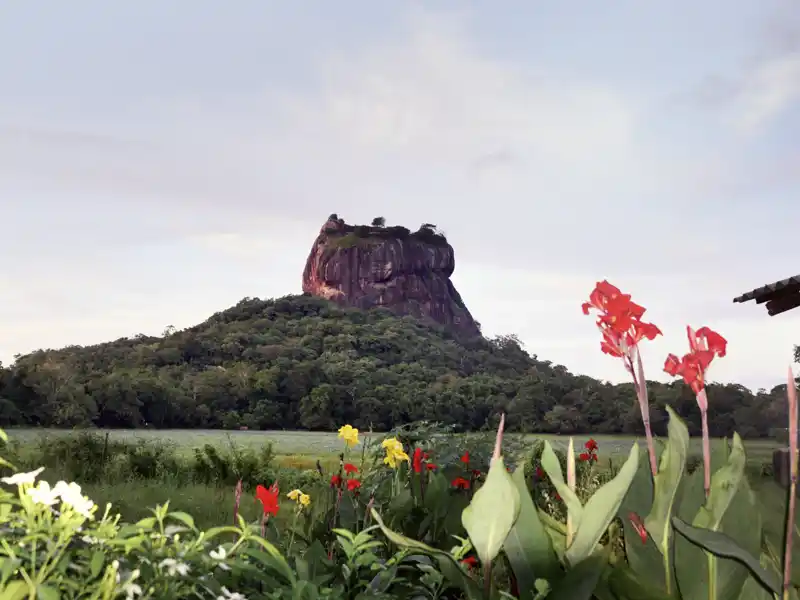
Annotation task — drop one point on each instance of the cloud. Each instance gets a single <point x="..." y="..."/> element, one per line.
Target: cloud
<point x="767" y="92"/>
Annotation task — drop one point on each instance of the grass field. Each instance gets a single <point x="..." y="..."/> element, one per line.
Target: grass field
<point x="298" y="450"/>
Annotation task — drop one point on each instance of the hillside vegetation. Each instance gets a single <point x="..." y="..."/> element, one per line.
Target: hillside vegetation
<point x="300" y="362"/>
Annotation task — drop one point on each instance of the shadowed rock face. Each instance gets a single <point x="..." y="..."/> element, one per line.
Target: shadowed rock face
<point x="407" y="273"/>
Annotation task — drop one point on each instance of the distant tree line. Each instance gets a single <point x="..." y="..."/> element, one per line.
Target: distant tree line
<point x="300" y="362"/>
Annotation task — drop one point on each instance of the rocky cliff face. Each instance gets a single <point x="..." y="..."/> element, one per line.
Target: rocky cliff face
<point x="408" y="273"/>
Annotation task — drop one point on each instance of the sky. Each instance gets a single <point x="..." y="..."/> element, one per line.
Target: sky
<point x="161" y="161"/>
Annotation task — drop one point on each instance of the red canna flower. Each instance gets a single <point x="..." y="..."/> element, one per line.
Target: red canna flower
<point x="461" y="483"/>
<point x="430" y="466"/>
<point x="584" y="456"/>
<point x="417" y="461"/>
<point x="425" y="455"/>
<point x="353" y="485"/>
<point x="465" y="458"/>
<point x="558" y="496"/>
<point x="476" y="473"/>
<point x="704" y="345"/>
<point x="268" y="498"/>
<point x="350" y="468"/>
<point x="539" y="472"/>
<point x="470" y="562"/>
<point x="336" y="481"/>
<point x="591" y="445"/>
<point x="594" y="457"/>
<point x="636" y="521"/>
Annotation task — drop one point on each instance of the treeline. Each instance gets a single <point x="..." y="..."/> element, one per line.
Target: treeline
<point x="300" y="362"/>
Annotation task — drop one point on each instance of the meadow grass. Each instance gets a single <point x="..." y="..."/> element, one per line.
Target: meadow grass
<point x="294" y="453"/>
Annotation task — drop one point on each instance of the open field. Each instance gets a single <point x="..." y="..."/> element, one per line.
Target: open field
<point x="313" y="444"/>
<point x="295" y="451"/>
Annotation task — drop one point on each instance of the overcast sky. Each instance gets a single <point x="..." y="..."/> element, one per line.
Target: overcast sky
<point x="160" y="161"/>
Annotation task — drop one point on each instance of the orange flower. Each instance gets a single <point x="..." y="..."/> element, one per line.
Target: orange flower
<point x="268" y="498"/>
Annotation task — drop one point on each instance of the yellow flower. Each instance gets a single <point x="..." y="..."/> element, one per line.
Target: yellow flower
<point x="349" y="434"/>
<point x="305" y="499"/>
<point x="394" y="452"/>
<point x="294" y="494"/>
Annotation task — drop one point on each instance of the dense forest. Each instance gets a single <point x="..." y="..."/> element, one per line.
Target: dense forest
<point x="300" y="362"/>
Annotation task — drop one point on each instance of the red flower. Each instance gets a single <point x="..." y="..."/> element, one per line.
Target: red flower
<point x="636" y="521"/>
<point x="350" y="469"/>
<point x="268" y="498"/>
<point x="465" y="458"/>
<point x="558" y="496"/>
<point x="430" y="466"/>
<point x="584" y="456"/>
<point x="336" y="481"/>
<point x="470" y="562"/>
<point x="594" y="457"/>
<point x="353" y="485"/>
<point x="476" y="473"/>
<point x="620" y="319"/>
<point x="539" y="472"/>
<point x="704" y="345"/>
<point x="591" y="445"/>
<point x="417" y="462"/>
<point x="461" y="483"/>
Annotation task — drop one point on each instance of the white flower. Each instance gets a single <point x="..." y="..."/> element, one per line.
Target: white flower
<point x="22" y="478"/>
<point x="173" y="566"/>
<point x="71" y="496"/>
<point x="229" y="595"/>
<point x="131" y="589"/>
<point x="219" y="554"/>
<point x="42" y="494"/>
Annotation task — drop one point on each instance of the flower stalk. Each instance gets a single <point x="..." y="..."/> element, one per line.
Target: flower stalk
<point x="791" y="393"/>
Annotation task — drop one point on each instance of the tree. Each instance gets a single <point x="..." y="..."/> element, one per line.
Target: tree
<point x="378" y="222"/>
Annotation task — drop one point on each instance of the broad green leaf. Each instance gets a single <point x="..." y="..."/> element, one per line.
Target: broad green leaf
<point x="719" y="544"/>
<point x="667" y="482"/>
<point x="448" y="566"/>
<point x="96" y="564"/>
<point x="701" y="574"/>
<point x="16" y="590"/>
<point x="552" y="467"/>
<point x="492" y="512"/>
<point x="278" y="561"/>
<point x="3" y="436"/>
<point x="581" y="580"/>
<point x="184" y="518"/>
<point x="601" y="509"/>
<point x="624" y="583"/>
<point x="46" y="592"/>
<point x="528" y="547"/>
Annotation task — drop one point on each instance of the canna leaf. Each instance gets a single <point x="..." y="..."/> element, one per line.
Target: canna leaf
<point x="492" y="512"/>
<point x="528" y="547"/>
<point x="719" y="544"/>
<point x="581" y="580"/>
<point x="667" y="481"/>
<point x="601" y="509"/>
<point x="552" y="467"/>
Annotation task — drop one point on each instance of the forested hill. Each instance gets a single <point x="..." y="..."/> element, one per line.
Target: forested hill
<point x="302" y="362"/>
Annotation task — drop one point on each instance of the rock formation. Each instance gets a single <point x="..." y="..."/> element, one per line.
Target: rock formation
<point x="408" y="273"/>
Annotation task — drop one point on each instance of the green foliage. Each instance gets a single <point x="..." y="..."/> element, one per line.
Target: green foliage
<point x="305" y="363"/>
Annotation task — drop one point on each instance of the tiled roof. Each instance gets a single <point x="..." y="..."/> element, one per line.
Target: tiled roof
<point x="779" y="296"/>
